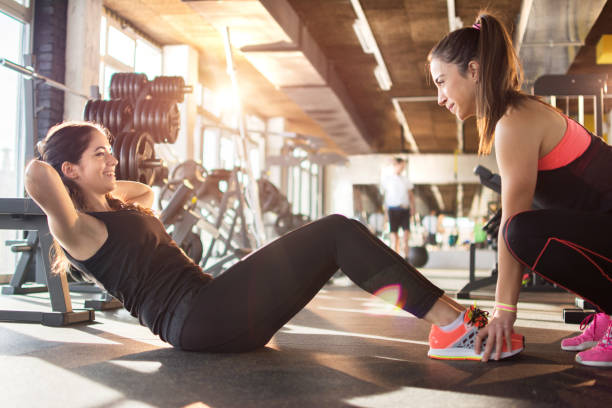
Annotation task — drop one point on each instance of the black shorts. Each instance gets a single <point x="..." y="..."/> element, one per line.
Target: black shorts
<point x="399" y="217"/>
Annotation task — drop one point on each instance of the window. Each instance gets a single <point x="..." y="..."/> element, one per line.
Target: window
<point x="210" y="156"/>
<point x="148" y="59"/>
<point x="227" y="155"/>
<point x="304" y="186"/>
<point x="13" y="44"/>
<point x="123" y="49"/>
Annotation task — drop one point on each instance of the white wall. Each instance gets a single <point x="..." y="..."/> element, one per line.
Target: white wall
<point x="82" y="53"/>
<point x="182" y="60"/>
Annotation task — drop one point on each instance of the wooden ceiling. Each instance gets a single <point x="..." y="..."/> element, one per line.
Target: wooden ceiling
<point x="405" y="31"/>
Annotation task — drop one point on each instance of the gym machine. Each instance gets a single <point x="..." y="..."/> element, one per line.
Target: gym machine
<point x="33" y="266"/>
<point x="534" y="283"/>
<point x="197" y="200"/>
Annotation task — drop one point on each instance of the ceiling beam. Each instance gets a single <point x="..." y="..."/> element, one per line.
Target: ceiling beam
<point x="519" y="34"/>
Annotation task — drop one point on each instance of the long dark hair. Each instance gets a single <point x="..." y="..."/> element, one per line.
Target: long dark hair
<point x="66" y="142"/>
<point x="500" y="76"/>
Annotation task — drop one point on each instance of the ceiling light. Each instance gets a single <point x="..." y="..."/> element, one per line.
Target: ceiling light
<point x="364" y="35"/>
<point x="382" y="77"/>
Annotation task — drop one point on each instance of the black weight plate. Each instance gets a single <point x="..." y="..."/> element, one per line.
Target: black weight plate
<point x="116" y="149"/>
<point x="125" y="115"/>
<point x="117" y="78"/>
<point x="134" y="164"/>
<point x="152" y="110"/>
<point x="124" y="89"/>
<point x="174" y="119"/>
<point x="180" y="85"/>
<point x="93" y="110"/>
<point x="154" y="86"/>
<point x="140" y="116"/>
<point x="106" y="115"/>
<point x="132" y="167"/>
<point x="114" y="86"/>
<point x="141" y="149"/>
<point x="100" y="113"/>
<point x="115" y="115"/>
<point x="162" y="87"/>
<point x="147" y="175"/>
<point x="132" y="86"/>
<point x="86" y="110"/>
<point x="124" y="163"/>
<point x="145" y="116"/>
<point x="127" y="83"/>
<point x="144" y="84"/>
<point x="136" y="116"/>
<point x="160" y="121"/>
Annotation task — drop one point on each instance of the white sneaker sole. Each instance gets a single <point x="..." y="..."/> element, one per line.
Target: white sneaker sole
<point x="581" y="347"/>
<point x="593" y="363"/>
<point x="465" y="354"/>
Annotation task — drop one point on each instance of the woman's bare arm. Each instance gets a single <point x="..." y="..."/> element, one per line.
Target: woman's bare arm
<point x="517" y="144"/>
<point x="45" y="187"/>
<point x="134" y="192"/>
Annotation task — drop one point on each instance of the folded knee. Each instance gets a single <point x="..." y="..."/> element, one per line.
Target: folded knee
<point x="517" y="231"/>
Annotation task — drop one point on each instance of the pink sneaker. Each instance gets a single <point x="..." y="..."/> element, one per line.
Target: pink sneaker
<point x="601" y="354"/>
<point x="593" y="333"/>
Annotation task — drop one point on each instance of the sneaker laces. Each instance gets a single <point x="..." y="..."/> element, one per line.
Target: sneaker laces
<point x="606" y="340"/>
<point x="589" y="319"/>
<point x="478" y="317"/>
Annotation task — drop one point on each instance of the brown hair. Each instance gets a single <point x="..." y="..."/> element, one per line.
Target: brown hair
<point x="66" y="142"/>
<point x="500" y="75"/>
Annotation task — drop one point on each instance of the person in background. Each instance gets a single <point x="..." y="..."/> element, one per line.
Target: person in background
<point x="480" y="235"/>
<point x="399" y="202"/>
<point x="430" y="223"/>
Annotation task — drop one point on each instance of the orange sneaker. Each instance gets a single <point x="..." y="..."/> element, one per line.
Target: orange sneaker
<point x="459" y="344"/>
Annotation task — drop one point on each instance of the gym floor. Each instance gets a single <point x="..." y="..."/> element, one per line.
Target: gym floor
<point x="346" y="349"/>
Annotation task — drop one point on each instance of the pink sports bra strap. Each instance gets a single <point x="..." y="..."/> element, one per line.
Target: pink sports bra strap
<point x="575" y="142"/>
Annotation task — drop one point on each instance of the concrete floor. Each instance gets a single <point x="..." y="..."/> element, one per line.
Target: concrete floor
<point x="346" y="349"/>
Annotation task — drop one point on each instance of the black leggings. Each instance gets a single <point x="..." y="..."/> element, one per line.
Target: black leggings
<point x="243" y="308"/>
<point x="570" y="248"/>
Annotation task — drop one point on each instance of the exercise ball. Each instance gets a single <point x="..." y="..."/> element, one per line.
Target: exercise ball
<point x="418" y="256"/>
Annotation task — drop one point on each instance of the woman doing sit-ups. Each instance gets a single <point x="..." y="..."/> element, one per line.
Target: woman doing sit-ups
<point x="107" y="232"/>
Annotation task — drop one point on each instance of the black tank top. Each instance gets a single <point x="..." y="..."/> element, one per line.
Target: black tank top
<point x="585" y="184"/>
<point x="142" y="266"/>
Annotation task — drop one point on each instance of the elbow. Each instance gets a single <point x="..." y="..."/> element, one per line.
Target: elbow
<point x="32" y="173"/>
<point x="150" y="197"/>
<point x="37" y="174"/>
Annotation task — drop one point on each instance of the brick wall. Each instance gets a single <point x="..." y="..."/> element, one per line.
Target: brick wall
<point x="50" y="60"/>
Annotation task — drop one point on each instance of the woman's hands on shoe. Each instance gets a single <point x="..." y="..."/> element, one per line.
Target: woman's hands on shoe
<point x="499" y="329"/>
